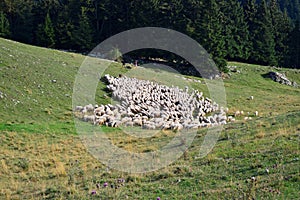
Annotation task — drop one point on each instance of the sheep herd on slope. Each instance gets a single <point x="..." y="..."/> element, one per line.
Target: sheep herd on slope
<point x="153" y="106"/>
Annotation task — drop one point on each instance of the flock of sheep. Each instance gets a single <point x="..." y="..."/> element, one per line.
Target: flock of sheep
<point x="152" y="106"/>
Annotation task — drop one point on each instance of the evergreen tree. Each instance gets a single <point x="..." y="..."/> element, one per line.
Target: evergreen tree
<point x="4" y="26"/>
<point x="45" y="33"/>
<point x="212" y="38"/>
<point x="293" y="58"/>
<point x="250" y="10"/>
<point x="49" y="31"/>
<point x="82" y="35"/>
<point x="292" y="7"/>
<point x="20" y="17"/>
<point x="281" y="28"/>
<point x="263" y="41"/>
<point x="235" y="31"/>
<point x="66" y="25"/>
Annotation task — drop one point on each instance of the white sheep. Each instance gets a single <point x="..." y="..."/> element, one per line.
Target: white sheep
<point x="144" y="101"/>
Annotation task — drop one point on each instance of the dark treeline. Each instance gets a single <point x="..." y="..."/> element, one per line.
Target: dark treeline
<point x="262" y="32"/>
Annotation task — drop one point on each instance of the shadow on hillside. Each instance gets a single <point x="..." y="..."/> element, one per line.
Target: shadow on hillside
<point x="266" y="75"/>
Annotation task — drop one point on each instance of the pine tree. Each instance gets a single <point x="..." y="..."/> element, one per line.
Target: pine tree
<point x="4" y="26"/>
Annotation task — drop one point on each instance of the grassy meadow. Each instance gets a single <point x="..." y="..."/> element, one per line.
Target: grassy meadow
<point x="42" y="156"/>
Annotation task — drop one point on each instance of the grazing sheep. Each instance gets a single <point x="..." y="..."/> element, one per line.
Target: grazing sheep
<point x="89" y="108"/>
<point x="84" y="110"/>
<point x="88" y="118"/>
<point x="150" y="105"/>
<point x="237" y="113"/>
<point x="78" y="108"/>
<point x="230" y="119"/>
<point x="100" y="121"/>
<point x="138" y="122"/>
<point x="247" y="118"/>
<point x="129" y="123"/>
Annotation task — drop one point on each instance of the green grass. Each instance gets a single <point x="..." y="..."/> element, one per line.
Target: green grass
<point x="42" y="157"/>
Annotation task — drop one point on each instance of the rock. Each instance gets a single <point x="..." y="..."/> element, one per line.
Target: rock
<point x="294" y="84"/>
<point x="281" y="78"/>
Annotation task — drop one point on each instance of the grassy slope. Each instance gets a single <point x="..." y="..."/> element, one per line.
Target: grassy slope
<point x="41" y="157"/>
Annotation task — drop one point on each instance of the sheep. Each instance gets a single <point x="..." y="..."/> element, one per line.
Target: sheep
<point x="164" y="107"/>
<point x="250" y="98"/>
<point x="89" y="108"/>
<point x="230" y="119"/>
<point x="247" y="118"/>
<point x="88" y="118"/>
<point x="149" y="126"/>
<point x="237" y="113"/>
<point x="138" y="122"/>
<point x="84" y="110"/>
<point x="100" y="121"/>
<point x="109" y="112"/>
<point x="126" y="119"/>
<point x="166" y="126"/>
<point x="99" y="111"/>
<point x="79" y="108"/>
<point x="177" y="127"/>
<point x="129" y="123"/>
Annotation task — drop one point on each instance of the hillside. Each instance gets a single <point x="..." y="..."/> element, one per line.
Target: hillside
<point x="41" y="156"/>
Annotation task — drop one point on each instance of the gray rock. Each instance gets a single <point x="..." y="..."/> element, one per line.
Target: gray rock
<point x="281" y="78"/>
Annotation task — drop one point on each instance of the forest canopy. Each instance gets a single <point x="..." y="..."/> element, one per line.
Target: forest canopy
<point x="263" y="32"/>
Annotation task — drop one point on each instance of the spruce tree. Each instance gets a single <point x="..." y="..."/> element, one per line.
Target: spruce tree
<point x="4" y="26"/>
<point x="211" y="33"/>
<point x="293" y="58"/>
<point x="82" y="35"/>
<point x="263" y="41"/>
<point x="49" y="32"/>
<point x="20" y="17"/>
<point x="235" y="31"/>
<point x="250" y="10"/>
<point x="281" y="28"/>
<point x="45" y="33"/>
